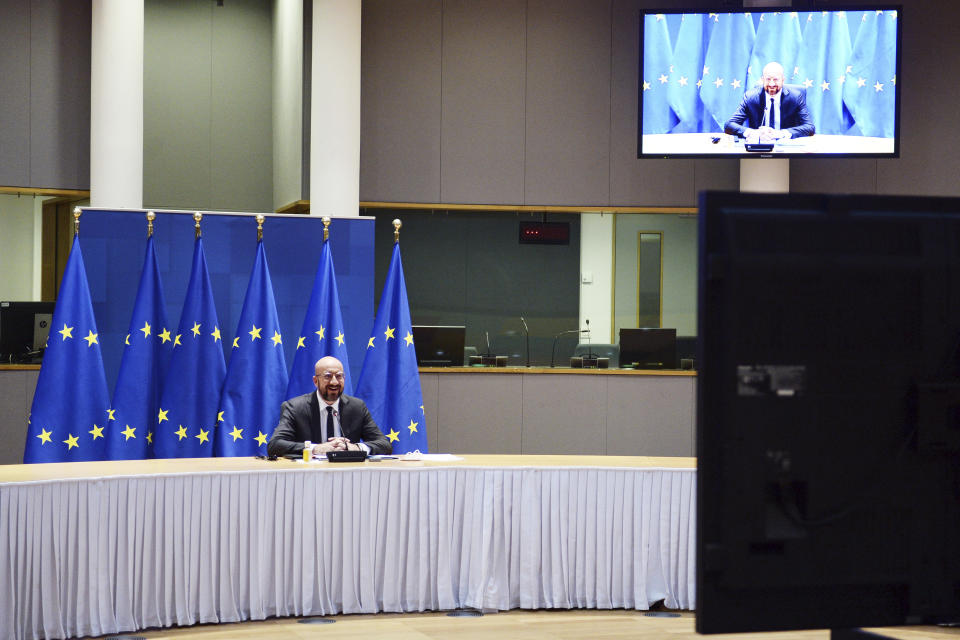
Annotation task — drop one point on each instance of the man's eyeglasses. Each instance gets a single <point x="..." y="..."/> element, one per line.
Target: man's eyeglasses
<point x="329" y="375"/>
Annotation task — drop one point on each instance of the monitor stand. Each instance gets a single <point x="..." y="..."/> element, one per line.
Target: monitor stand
<point x="855" y="634"/>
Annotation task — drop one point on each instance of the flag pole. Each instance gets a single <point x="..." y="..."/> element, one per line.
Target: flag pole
<point x="396" y="230"/>
<point x="326" y="227"/>
<point x="151" y="216"/>
<point x="260" y="219"/>
<point x="76" y="220"/>
<point x="197" y="217"/>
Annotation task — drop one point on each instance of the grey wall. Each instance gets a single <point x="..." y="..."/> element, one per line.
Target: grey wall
<point x="45" y="94"/>
<point x="207" y="123"/>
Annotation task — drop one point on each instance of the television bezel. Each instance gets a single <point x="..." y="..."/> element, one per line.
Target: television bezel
<point x="783" y="155"/>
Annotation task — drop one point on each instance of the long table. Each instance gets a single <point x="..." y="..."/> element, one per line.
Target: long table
<point x="108" y="547"/>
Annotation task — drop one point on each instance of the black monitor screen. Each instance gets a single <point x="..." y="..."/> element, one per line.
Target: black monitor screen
<point x="23" y="330"/>
<point x="439" y="346"/>
<point x="648" y="348"/>
<point x="828" y="412"/>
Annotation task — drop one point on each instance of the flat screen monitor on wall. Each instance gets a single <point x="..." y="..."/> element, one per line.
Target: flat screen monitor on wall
<point x="706" y="79"/>
<point x="828" y="412"/>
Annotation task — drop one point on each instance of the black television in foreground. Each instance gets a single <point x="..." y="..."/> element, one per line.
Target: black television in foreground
<point x="439" y="346"/>
<point x="701" y="80"/>
<point x="24" y="327"/>
<point x="828" y="412"/>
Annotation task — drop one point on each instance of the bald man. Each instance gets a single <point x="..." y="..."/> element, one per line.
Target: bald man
<point x="326" y="417"/>
<point x="773" y="111"/>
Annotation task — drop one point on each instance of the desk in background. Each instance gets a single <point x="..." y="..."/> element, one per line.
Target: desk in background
<point x="106" y="547"/>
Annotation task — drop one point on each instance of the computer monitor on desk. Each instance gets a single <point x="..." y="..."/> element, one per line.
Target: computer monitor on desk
<point x="648" y="348"/>
<point x="439" y="346"/>
<point x="23" y="330"/>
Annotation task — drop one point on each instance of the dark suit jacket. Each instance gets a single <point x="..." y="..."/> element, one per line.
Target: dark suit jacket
<point x="299" y="415"/>
<point x="793" y="112"/>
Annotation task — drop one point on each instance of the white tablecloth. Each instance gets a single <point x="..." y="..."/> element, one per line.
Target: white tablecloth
<point x="94" y="556"/>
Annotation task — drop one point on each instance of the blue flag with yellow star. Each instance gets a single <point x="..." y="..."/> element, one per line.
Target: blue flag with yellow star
<point x="70" y="404"/>
<point x="778" y="40"/>
<point x="389" y="380"/>
<point x="869" y="91"/>
<point x="187" y="417"/>
<point x="658" y="115"/>
<point x="257" y="376"/>
<point x="821" y="68"/>
<point x="322" y="332"/>
<point x="725" y="64"/>
<point x="146" y="354"/>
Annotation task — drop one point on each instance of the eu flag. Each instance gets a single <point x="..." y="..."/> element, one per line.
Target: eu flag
<point x="187" y="415"/>
<point x="257" y="376"/>
<point x="725" y="65"/>
<point x="390" y="381"/>
<point x="684" y="87"/>
<point x="870" y="88"/>
<point x="70" y="406"/>
<point x="821" y="68"/>
<point x="146" y="354"/>
<point x="322" y="333"/>
<point x="778" y="40"/>
<point x="658" y="116"/>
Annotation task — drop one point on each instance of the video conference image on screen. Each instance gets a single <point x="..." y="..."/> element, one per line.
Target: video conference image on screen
<point x="774" y="82"/>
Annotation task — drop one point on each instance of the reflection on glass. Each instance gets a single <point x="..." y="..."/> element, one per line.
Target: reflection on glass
<point x="649" y="278"/>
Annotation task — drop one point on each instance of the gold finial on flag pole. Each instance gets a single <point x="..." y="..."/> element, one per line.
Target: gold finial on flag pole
<point x="197" y="217"/>
<point x="260" y="219"/>
<point x="396" y="230"/>
<point x="326" y="227"/>
<point x="151" y="216"/>
<point x="76" y="220"/>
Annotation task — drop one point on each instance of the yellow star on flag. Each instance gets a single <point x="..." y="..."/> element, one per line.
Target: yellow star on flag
<point x="66" y="332"/>
<point x="408" y="338"/>
<point x="236" y="342"/>
<point x="202" y="436"/>
<point x="165" y="335"/>
<point x="394" y="436"/>
<point x="162" y="416"/>
<point x="389" y="332"/>
<point x="44" y="435"/>
<point x="150" y="437"/>
<point x="219" y="416"/>
<point x="320" y="333"/>
<point x="300" y="342"/>
<point x="340" y="338"/>
<point x="196" y="329"/>
<point x="412" y="426"/>
<point x="126" y="340"/>
<point x="71" y="441"/>
<point x="97" y="432"/>
<point x="91" y="338"/>
<point x="255" y="333"/>
<point x="370" y="342"/>
<point x="129" y="432"/>
<point x="181" y="433"/>
<point x="276" y="338"/>
<point x="261" y="438"/>
<point x="237" y="433"/>
<point x="176" y="341"/>
<point x="110" y="414"/>
<point x="216" y="333"/>
<point x="146" y="329"/>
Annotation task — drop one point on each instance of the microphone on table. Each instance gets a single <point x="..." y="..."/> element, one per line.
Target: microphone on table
<point x="556" y="337"/>
<point x="526" y="331"/>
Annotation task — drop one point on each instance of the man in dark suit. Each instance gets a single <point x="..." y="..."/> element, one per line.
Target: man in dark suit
<point x="330" y="420"/>
<point x="772" y="112"/>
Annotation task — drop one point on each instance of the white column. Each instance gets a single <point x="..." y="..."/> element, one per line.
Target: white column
<point x="596" y="275"/>
<point x="116" y="104"/>
<point x="335" y="109"/>
<point x="770" y="175"/>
